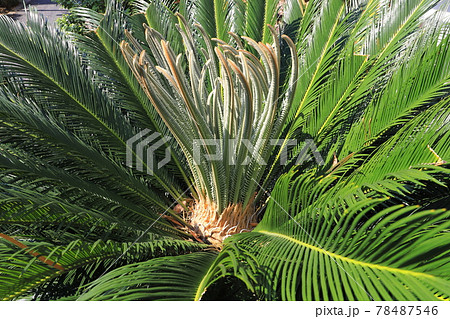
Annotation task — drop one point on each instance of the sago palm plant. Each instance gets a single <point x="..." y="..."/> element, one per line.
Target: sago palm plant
<point x="308" y="149"/>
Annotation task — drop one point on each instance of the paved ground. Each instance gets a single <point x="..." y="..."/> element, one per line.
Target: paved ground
<point x="48" y="8"/>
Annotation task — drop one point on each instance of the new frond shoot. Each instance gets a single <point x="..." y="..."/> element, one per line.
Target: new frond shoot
<point x="225" y="106"/>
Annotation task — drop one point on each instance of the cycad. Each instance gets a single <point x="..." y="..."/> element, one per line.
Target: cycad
<point x="368" y="224"/>
<point x="231" y="107"/>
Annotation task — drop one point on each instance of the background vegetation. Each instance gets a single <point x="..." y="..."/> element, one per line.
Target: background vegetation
<point x="70" y="23"/>
<point x="8" y="4"/>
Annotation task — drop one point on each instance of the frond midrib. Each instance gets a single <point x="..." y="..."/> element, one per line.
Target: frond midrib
<point x="173" y="191"/>
<point x="347" y="259"/>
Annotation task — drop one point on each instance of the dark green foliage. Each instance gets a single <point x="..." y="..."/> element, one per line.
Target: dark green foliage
<point x="8" y="4"/>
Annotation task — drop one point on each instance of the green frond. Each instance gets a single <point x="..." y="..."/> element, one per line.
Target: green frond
<point x="115" y="77"/>
<point x="160" y="15"/>
<point x="43" y="166"/>
<point x="38" y="268"/>
<point x="316" y="253"/>
<point x="420" y="81"/>
<point x="32" y="53"/>
<point x="424" y="142"/>
<point x="165" y="278"/>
